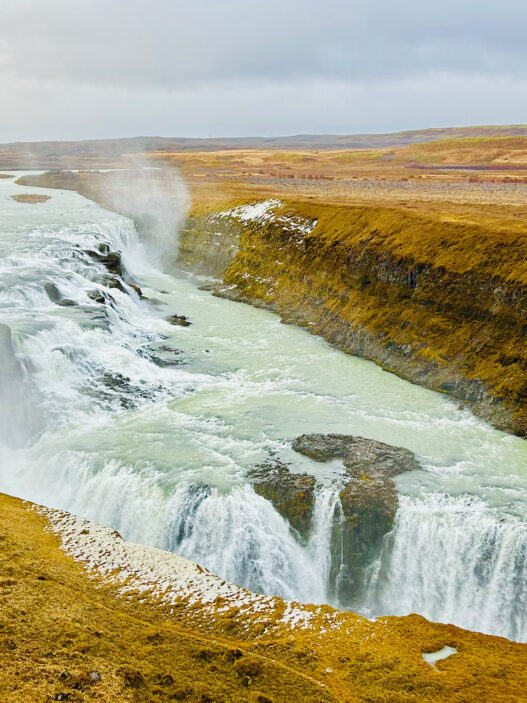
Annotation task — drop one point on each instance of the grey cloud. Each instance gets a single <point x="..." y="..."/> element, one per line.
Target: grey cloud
<point x="234" y="67"/>
<point x="270" y="108"/>
<point x="174" y="43"/>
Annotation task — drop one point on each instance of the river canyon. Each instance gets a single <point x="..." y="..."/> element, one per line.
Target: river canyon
<point x="153" y="428"/>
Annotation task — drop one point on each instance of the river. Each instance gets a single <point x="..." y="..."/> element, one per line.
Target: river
<point x="151" y="428"/>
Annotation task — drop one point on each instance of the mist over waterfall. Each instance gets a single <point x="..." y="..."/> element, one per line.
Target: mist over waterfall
<point x="153" y="428"/>
<point x="157" y="205"/>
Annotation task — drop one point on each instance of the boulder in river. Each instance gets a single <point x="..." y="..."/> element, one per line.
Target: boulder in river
<point x="56" y="296"/>
<point x="180" y="320"/>
<point x="110" y="259"/>
<point x="52" y="291"/>
<point x="97" y="296"/>
<point x="113" y="262"/>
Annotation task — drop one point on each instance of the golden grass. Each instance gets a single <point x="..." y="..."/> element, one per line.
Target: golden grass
<point x="483" y="150"/>
<point x="57" y="625"/>
<point x="408" y="163"/>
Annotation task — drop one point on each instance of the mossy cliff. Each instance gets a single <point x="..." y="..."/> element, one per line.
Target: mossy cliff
<point x="438" y="301"/>
<point x="86" y="616"/>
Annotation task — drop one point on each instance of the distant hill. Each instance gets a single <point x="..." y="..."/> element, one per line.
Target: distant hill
<point x="496" y="151"/>
<point x="98" y="153"/>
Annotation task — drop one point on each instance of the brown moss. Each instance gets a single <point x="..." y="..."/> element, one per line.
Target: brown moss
<point x="31" y="198"/>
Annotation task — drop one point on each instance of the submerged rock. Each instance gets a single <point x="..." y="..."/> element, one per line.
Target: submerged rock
<point x="52" y="291"/>
<point x="164" y="363"/>
<point x="54" y="294"/>
<point x="292" y="495"/>
<point x="180" y="320"/>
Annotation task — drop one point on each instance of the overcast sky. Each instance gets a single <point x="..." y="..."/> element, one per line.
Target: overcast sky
<point x="79" y="69"/>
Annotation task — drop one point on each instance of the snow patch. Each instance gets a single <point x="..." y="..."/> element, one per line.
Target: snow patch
<point x="265" y="211"/>
<point x="169" y="578"/>
<point x="262" y="211"/>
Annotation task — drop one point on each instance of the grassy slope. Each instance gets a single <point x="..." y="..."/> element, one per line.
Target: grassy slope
<point x="495" y="151"/>
<point x="57" y="625"/>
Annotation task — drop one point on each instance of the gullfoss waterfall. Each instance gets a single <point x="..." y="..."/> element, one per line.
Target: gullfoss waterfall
<point x="153" y="429"/>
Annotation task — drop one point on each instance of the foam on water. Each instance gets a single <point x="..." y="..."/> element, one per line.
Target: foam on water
<point x="161" y="453"/>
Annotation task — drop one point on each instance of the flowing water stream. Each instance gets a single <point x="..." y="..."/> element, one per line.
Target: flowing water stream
<point x="151" y="428"/>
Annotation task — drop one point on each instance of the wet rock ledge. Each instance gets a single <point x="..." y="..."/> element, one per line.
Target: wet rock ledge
<point x="366" y="507"/>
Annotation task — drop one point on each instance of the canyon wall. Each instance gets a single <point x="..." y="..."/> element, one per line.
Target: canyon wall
<point x="440" y="303"/>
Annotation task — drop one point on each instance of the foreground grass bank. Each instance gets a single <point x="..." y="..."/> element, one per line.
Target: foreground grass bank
<point x="88" y="616"/>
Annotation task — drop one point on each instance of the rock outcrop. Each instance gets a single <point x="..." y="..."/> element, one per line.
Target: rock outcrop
<point x="112" y="261"/>
<point x="364" y="513"/>
<point x="368" y="501"/>
<point x="293" y="495"/>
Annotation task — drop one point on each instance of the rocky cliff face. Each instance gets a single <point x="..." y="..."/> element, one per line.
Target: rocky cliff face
<point x="441" y="304"/>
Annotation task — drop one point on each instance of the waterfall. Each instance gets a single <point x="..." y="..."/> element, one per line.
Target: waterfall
<point x="454" y="560"/>
<point x="240" y="536"/>
<point x="327" y="510"/>
<point x="153" y="429"/>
